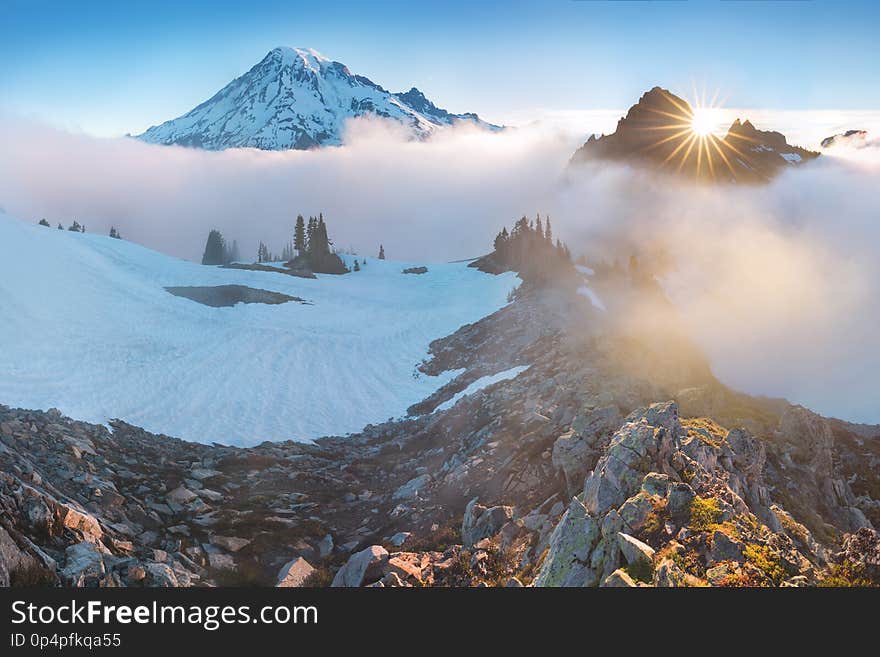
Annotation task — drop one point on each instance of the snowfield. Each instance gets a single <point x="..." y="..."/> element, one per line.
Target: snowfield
<point x="482" y="382"/>
<point x="88" y="328"/>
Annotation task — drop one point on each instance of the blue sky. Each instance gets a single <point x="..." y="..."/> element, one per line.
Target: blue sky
<point x="108" y="68"/>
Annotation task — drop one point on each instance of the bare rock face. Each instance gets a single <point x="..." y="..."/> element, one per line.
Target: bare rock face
<point x="697" y="532"/>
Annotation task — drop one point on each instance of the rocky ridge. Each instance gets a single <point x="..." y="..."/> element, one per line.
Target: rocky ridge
<point x="656" y="133"/>
<point x="571" y="473"/>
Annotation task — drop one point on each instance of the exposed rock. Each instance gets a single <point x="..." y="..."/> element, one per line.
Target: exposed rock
<point x="481" y="522"/>
<point x="619" y="579"/>
<point x="294" y="573"/>
<point x="571" y="545"/>
<point x="362" y="568"/>
<point x="231" y="543"/>
<point x="411" y="488"/>
<point x="160" y="575"/>
<point x="83" y="565"/>
<point x="634" y="551"/>
<point x="182" y="495"/>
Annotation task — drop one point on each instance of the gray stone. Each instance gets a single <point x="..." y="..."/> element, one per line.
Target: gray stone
<point x="362" y="567"/>
<point x="411" y="488"/>
<point x="325" y="546"/>
<point x="83" y="564"/>
<point x="725" y="548"/>
<point x="181" y="495"/>
<point x="220" y="561"/>
<point x="399" y="538"/>
<point x="231" y="543"/>
<point x="160" y="575"/>
<point x="619" y="579"/>
<point x="635" y="551"/>
<point x="481" y="522"/>
<point x="570" y="453"/>
<point x="568" y="560"/>
<point x="294" y="573"/>
<point x="679" y="499"/>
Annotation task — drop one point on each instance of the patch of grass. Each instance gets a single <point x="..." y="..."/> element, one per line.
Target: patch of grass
<point x="320" y="579"/>
<point x="248" y="573"/>
<point x="768" y="562"/>
<point x="705" y="430"/>
<point x="438" y="541"/>
<point x="851" y="574"/>
<point x="794" y="529"/>
<point x="705" y="514"/>
<point x="641" y="571"/>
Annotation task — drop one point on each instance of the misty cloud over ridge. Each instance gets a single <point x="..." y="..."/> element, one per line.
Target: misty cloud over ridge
<point x="779" y="284"/>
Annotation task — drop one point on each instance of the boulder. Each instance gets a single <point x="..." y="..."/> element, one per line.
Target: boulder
<point x="325" y="546"/>
<point x="481" y="522"/>
<point x="160" y="575"/>
<point x="231" y="543"/>
<point x="619" y="579"/>
<point x="362" y="567"/>
<point x="411" y="488"/>
<point x="570" y="452"/>
<point x="725" y="548"/>
<point x="83" y="565"/>
<point x="294" y="573"/>
<point x="568" y="560"/>
<point x="220" y="561"/>
<point x="635" y="551"/>
<point x="181" y="495"/>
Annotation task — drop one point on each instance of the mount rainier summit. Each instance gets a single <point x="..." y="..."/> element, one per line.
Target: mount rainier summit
<point x="298" y="99"/>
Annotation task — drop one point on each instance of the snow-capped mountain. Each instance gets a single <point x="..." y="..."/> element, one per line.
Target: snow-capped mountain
<point x="297" y="98"/>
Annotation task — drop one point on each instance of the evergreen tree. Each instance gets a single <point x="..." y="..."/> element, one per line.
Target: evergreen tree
<point x="548" y="233"/>
<point x="381" y="252"/>
<point x="215" y="249"/>
<point x="357" y="267"/>
<point x="115" y="233"/>
<point x="60" y="227"/>
<point x="43" y="222"/>
<point x="75" y="227"/>
<point x="310" y="233"/>
<point x="501" y="240"/>
<point x="299" y="236"/>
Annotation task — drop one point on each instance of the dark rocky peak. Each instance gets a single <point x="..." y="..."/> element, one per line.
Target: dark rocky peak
<point x="656" y="134"/>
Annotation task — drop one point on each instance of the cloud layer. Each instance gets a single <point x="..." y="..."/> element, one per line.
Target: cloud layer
<point x="779" y="284"/>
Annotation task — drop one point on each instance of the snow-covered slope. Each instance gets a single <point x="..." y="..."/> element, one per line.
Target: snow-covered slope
<point x="296" y="98"/>
<point x="88" y="328"/>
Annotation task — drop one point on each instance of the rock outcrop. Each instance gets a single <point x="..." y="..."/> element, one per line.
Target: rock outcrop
<point x="656" y="133"/>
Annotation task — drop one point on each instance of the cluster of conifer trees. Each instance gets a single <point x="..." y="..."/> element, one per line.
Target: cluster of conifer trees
<point x="218" y="251"/>
<point x="529" y="249"/>
<point x="76" y="227"/>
